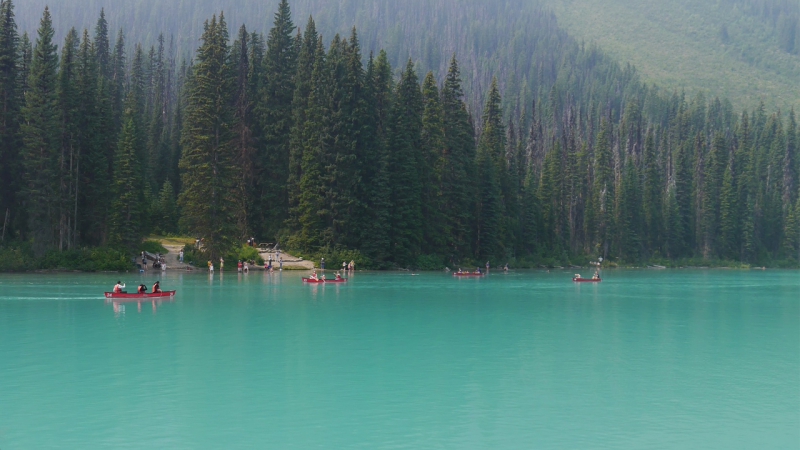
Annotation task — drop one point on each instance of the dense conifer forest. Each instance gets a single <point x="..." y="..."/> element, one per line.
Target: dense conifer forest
<point x="743" y="50"/>
<point x="305" y="139"/>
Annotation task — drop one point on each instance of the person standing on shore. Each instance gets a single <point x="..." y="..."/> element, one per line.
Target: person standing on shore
<point x="221" y="264"/>
<point x="322" y="264"/>
<point x="180" y="256"/>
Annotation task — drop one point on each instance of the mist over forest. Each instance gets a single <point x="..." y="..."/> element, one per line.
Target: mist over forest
<point x="400" y="134"/>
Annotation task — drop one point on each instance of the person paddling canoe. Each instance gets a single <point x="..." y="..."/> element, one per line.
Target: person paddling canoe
<point x="118" y="287"/>
<point x="157" y="287"/>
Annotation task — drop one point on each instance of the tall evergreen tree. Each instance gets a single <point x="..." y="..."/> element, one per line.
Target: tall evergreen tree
<point x="312" y="212"/>
<point x="40" y="136"/>
<point x="603" y="201"/>
<point x="375" y="236"/>
<point x="244" y="123"/>
<point x="69" y="155"/>
<point x="118" y="79"/>
<point x="300" y="107"/>
<point x="405" y="157"/>
<point x="652" y="201"/>
<point x="125" y="227"/>
<point x="275" y="111"/>
<point x="715" y="170"/>
<point x="10" y="103"/>
<point x="492" y="179"/>
<point x="102" y="46"/>
<point x="458" y="166"/>
<point x="433" y="142"/>
<point x="94" y="138"/>
<point x="207" y="163"/>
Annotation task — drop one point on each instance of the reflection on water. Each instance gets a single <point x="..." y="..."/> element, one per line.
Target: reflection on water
<point x="528" y="359"/>
<point x="119" y="303"/>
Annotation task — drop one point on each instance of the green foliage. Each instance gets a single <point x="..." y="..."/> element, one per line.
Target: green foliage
<point x="40" y="155"/>
<point x="125" y="227"/>
<point x="405" y="160"/>
<point x="208" y="199"/>
<point x="98" y="259"/>
<point x="430" y="262"/>
<point x="243" y="253"/>
<point x="194" y="256"/>
<point x="287" y="137"/>
<point x="152" y="247"/>
<point x="274" y="111"/>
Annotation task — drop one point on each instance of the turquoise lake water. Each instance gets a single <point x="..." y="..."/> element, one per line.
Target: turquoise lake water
<point x="674" y="359"/>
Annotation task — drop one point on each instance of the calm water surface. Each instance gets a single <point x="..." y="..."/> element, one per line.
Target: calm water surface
<point x="646" y="359"/>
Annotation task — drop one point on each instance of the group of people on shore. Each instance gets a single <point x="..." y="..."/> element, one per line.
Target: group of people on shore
<point x="159" y="262"/>
<point x="345" y="265"/>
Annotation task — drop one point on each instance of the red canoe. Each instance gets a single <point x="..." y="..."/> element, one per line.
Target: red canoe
<point x="127" y="295"/>
<point x="468" y="274"/>
<point x="586" y="280"/>
<point x="309" y="280"/>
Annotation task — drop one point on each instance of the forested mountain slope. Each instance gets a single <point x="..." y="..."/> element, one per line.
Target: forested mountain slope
<point x="331" y="151"/>
<point x="746" y="50"/>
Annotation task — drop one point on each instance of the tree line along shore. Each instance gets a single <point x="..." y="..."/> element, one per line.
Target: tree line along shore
<point x="335" y="153"/>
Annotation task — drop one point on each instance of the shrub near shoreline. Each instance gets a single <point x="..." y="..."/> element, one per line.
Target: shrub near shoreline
<point x="99" y="259"/>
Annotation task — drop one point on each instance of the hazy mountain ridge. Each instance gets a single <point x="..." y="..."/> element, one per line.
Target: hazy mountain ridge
<point x="746" y="50"/>
<point x="677" y="44"/>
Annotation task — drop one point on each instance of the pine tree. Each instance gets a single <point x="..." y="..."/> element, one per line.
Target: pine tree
<point x="715" y="169"/>
<point x="458" y="166"/>
<point x="790" y="161"/>
<point x="207" y="164"/>
<point x="102" y="46"/>
<point x="529" y="233"/>
<point x="300" y="106"/>
<point x="405" y="157"/>
<point x="494" y="186"/>
<point x="312" y="211"/>
<point x="69" y="157"/>
<point x="603" y="201"/>
<point x="791" y="232"/>
<point x="244" y="124"/>
<point x="375" y="237"/>
<point x="347" y="115"/>
<point x="117" y="82"/>
<point x="275" y="111"/>
<point x="629" y="213"/>
<point x="94" y="136"/>
<point x="652" y="201"/>
<point x="40" y="135"/>
<point x="550" y="194"/>
<point x="127" y="207"/>
<point x="10" y="103"/>
<point x="158" y="129"/>
<point x="166" y="210"/>
<point x="433" y="155"/>
<point x="728" y="217"/>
